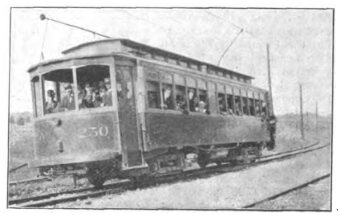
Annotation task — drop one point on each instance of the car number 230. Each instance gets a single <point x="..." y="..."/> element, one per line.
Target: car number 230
<point x="93" y="131"/>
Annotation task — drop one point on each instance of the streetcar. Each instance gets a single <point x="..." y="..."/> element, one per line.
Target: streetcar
<point x="117" y="108"/>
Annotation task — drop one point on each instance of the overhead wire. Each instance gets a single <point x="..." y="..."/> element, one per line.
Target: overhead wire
<point x="150" y="22"/>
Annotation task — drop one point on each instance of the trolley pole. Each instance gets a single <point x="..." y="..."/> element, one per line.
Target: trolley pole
<point x="269" y="78"/>
<point x="301" y="113"/>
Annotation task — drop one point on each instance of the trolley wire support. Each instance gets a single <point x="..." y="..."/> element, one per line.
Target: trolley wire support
<point x="229" y="46"/>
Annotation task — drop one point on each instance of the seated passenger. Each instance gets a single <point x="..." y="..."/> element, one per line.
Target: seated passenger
<point x="88" y="98"/>
<point x="237" y="108"/>
<point x="181" y="104"/>
<point x="257" y="109"/>
<point x="67" y="102"/>
<point x="263" y="109"/>
<point x="81" y="96"/>
<point x="152" y="99"/>
<point x="230" y="111"/>
<point x="51" y="103"/>
<point x="97" y="100"/>
<point x="107" y="95"/>
<point x="191" y="100"/>
<point x="202" y="107"/>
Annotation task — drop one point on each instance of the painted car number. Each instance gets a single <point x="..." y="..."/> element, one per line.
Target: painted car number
<point x="93" y="132"/>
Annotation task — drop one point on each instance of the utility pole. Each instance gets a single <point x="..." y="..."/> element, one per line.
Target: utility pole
<point x="316" y="118"/>
<point x="269" y="79"/>
<point x="301" y="113"/>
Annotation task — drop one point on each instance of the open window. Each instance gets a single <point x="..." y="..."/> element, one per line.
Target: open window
<point x="221" y="99"/>
<point x="180" y="92"/>
<point x="257" y="108"/>
<point x="245" y="108"/>
<point x="237" y="102"/>
<point x="192" y="94"/>
<point x="230" y="100"/>
<point x="263" y="104"/>
<point x="153" y="90"/>
<point x="250" y="98"/>
<point x="167" y="91"/>
<point x="58" y="91"/>
<point x="203" y="106"/>
<point x="94" y="86"/>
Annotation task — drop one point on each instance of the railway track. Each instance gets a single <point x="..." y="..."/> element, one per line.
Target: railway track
<point x="116" y="188"/>
<point x="253" y="205"/>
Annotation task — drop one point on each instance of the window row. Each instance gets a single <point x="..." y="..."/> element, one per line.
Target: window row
<point x="184" y="93"/>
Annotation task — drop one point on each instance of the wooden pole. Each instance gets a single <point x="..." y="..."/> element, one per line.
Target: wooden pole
<point x="269" y="80"/>
<point x="301" y="113"/>
<point x="316" y="118"/>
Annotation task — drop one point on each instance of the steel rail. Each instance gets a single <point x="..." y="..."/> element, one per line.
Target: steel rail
<point x="288" y="191"/>
<point x="50" y="195"/>
<point x="26" y="181"/>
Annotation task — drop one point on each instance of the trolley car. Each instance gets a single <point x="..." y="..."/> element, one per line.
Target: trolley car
<point x="117" y="108"/>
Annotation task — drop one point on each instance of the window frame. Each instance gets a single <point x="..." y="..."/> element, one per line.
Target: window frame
<point x="74" y="64"/>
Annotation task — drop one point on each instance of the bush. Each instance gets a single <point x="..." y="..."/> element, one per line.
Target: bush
<point x="20" y="121"/>
<point x="11" y="119"/>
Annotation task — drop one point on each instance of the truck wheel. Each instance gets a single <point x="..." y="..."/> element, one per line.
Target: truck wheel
<point x="96" y="176"/>
<point x="203" y="159"/>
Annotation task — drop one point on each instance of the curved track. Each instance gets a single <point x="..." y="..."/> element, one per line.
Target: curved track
<point x="115" y="188"/>
<point x="252" y="205"/>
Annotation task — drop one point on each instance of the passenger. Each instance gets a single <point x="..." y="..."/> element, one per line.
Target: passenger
<point x="168" y="102"/>
<point x="88" y="99"/>
<point x="107" y="95"/>
<point x="230" y="111"/>
<point x="257" y="108"/>
<point x="152" y="100"/>
<point x="51" y="103"/>
<point x="202" y="107"/>
<point x="222" y="105"/>
<point x="97" y="100"/>
<point x="237" y="108"/>
<point x="181" y="104"/>
<point x="263" y="109"/>
<point x="102" y="84"/>
<point x="67" y="102"/>
<point x="81" y="96"/>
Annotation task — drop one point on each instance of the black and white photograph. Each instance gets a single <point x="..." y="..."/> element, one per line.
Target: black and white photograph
<point x="170" y="108"/>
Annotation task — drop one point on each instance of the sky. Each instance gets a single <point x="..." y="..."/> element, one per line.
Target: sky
<point x="300" y="45"/>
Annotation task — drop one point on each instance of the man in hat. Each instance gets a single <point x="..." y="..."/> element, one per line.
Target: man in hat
<point x="67" y="102"/>
<point x="107" y="95"/>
